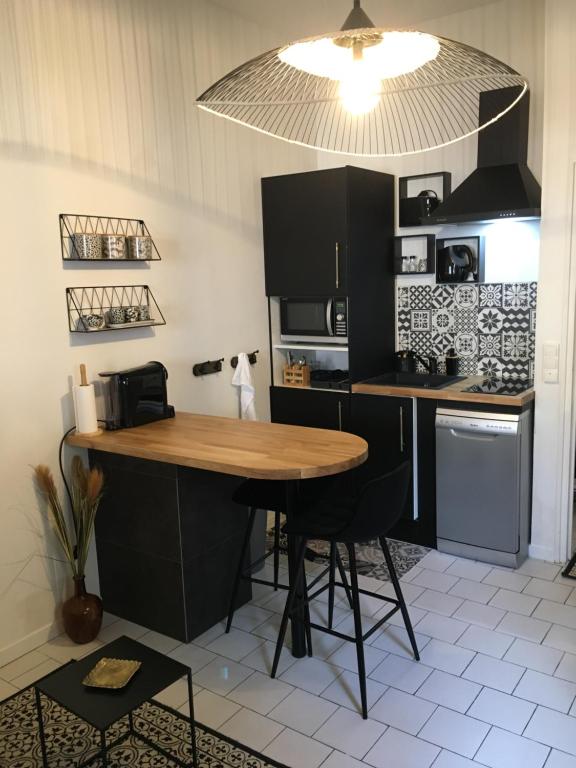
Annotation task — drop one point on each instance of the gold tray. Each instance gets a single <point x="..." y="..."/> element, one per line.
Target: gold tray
<point x="112" y="673"/>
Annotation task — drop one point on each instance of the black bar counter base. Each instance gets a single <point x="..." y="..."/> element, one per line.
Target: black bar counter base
<point x="167" y="539"/>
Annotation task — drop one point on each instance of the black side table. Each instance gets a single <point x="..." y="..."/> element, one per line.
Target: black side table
<point x="101" y="708"/>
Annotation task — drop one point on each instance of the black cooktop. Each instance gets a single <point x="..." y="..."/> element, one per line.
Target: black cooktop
<point x="501" y="386"/>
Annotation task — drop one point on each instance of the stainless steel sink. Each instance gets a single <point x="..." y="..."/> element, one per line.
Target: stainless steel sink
<point x="424" y="380"/>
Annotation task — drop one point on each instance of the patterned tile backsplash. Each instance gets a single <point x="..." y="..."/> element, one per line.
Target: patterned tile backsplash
<point x="491" y="326"/>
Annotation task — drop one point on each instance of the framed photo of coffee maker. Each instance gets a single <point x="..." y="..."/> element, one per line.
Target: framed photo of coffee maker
<point x="460" y="259"/>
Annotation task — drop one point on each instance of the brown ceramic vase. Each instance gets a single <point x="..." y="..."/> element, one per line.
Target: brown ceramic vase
<point x="82" y="614"/>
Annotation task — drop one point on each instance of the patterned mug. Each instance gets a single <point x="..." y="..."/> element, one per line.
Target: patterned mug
<point x="113" y="246"/>
<point x="132" y="314"/>
<point x="116" y="315"/>
<point x="92" y="322"/>
<point x="139" y="247"/>
<point x="85" y="246"/>
<point x="144" y="312"/>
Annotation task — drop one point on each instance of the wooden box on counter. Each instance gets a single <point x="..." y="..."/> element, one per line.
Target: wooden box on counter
<point x="296" y="375"/>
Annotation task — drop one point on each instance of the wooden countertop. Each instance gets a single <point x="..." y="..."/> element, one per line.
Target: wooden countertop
<point x="256" y="449"/>
<point x="452" y="392"/>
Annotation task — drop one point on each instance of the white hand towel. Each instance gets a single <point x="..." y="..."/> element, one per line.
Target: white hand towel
<point x="243" y="379"/>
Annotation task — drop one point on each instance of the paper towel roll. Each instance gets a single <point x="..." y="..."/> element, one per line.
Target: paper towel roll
<point x="85" y="410"/>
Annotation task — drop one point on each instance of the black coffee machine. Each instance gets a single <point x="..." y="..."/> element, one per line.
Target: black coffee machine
<point x="137" y="396"/>
<point x="456" y="263"/>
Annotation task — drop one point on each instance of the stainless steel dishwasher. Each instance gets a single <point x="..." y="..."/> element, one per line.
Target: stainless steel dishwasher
<point x="483" y="484"/>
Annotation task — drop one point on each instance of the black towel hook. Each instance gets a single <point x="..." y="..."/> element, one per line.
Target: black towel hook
<point x="252" y="359"/>
<point x="210" y="366"/>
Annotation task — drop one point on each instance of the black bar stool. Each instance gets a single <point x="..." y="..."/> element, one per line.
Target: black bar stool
<point x="270" y="495"/>
<point x="361" y="516"/>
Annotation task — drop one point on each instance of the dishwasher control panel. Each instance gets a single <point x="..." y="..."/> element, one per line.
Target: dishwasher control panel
<point x="481" y="423"/>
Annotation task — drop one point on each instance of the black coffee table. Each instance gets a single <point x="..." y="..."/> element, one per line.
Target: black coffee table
<point x="101" y="708"/>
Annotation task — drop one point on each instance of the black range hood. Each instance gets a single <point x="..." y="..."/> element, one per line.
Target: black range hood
<point x="502" y="186"/>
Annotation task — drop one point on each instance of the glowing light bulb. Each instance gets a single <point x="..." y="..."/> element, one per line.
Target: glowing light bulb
<point x="359" y="90"/>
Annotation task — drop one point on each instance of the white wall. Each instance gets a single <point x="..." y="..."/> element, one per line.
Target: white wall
<point x="98" y="116"/>
<point x="553" y="444"/>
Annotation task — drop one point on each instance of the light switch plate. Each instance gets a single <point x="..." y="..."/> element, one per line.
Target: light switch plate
<point x="551" y="362"/>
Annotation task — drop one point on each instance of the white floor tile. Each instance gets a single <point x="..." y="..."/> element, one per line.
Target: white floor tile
<point x="439" y="602"/>
<point x="572" y="597"/>
<point x="23" y="681"/>
<point x="473" y="590"/>
<point x="562" y="638"/>
<point x="486" y="641"/>
<point x="455" y="732"/>
<point x="345" y="657"/>
<point x="441" y="627"/>
<point x="524" y="627"/>
<point x="565" y="615"/>
<point x="401" y="750"/>
<point x="210" y="635"/>
<point x="260" y="693"/>
<point x="213" y="710"/>
<point x="324" y="645"/>
<point x="409" y="575"/>
<point x="176" y="695"/>
<point x="507" y="579"/>
<point x="468" y="569"/>
<point x="403" y="711"/>
<point x="494" y="673"/>
<point x="560" y="760"/>
<point x="501" y="709"/>
<point x="546" y="690"/>
<point x="481" y="615"/>
<point x="514" y="601"/>
<point x="312" y="675"/>
<point x="448" y="658"/>
<point x="248" y="617"/>
<point x="552" y="728"/>
<point x="339" y="760"/>
<point x="270" y="628"/>
<point x="549" y="590"/>
<point x="395" y="640"/>
<point x="193" y="656"/>
<point x="303" y="712"/>
<point x="234" y="645"/>
<point x="262" y="657"/>
<point x="345" y="691"/>
<point x="401" y="673"/>
<point x="450" y="760"/>
<point x="6" y="690"/>
<point x="319" y="613"/>
<point x="63" y="649"/>
<point x="436" y="561"/>
<point x="349" y="733"/>
<point x="567" y="668"/>
<point x="251" y="729"/>
<point x="540" y="569"/>
<point x="119" y="628"/>
<point x="292" y="748"/>
<point x="222" y="675"/>
<point x="441" y="582"/>
<point x="21" y="665"/>
<point x="159" y="642"/>
<point x="507" y="750"/>
<point x="409" y="591"/>
<point x="397" y="620"/>
<point x="450" y="691"/>
<point x="537" y="657"/>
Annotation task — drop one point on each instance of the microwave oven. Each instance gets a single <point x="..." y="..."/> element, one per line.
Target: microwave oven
<point x="314" y="320"/>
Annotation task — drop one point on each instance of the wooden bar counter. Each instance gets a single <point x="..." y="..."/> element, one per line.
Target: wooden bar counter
<point x="168" y="533"/>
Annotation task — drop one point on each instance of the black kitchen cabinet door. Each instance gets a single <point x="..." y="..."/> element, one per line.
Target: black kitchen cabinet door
<point x="310" y="408"/>
<point x="386" y="424"/>
<point x="305" y="218"/>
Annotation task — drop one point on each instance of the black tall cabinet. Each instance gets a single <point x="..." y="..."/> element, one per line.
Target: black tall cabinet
<point x="330" y="233"/>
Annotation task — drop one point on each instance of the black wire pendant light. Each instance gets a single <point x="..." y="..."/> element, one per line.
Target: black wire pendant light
<point x="364" y="90"/>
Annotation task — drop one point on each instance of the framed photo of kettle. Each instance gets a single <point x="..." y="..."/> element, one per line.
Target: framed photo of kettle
<point x="460" y="259"/>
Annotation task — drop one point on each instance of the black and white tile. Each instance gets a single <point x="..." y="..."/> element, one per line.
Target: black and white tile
<point x="492" y="326"/>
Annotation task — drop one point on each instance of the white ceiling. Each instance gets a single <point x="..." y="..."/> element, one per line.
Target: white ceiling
<point x="301" y="18"/>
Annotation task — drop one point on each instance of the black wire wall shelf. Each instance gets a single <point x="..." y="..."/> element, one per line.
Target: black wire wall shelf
<point x="84" y="238"/>
<point x="93" y="309"/>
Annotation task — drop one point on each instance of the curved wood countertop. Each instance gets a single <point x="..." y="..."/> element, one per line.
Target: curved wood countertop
<point x="453" y="392"/>
<point x="256" y="449"/>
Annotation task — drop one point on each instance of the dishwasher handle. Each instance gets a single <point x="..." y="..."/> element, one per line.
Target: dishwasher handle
<point x="478" y="436"/>
<point x="490" y="424"/>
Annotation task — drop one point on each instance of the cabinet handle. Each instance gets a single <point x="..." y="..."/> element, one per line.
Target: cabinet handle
<point x="340" y="415"/>
<point x="337" y="257"/>
<point x="401" y="429"/>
